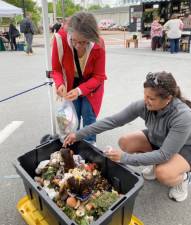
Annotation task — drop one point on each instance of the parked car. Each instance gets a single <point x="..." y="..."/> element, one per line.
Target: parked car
<point x="105" y="24"/>
<point x="124" y="27"/>
<point x="114" y="27"/>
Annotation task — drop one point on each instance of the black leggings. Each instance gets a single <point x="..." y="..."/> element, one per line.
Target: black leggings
<point x="13" y="43"/>
<point x="156" y="42"/>
<point x="185" y="151"/>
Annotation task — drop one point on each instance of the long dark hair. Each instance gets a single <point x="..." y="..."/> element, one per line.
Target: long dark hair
<point x="164" y="85"/>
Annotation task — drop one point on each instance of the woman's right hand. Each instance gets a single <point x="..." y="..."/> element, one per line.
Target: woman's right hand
<point x="61" y="91"/>
<point x="70" y="139"/>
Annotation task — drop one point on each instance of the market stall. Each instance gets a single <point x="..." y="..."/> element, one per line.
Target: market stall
<point x="8" y="10"/>
<point x="164" y="9"/>
<point x="141" y="15"/>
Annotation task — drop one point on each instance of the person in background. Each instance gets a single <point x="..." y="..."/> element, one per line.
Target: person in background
<point x="82" y="45"/>
<point x="27" y="28"/>
<point x="165" y="145"/>
<point x="4" y="39"/>
<point x="156" y="33"/>
<point x="56" y="26"/>
<point x="173" y="27"/>
<point x="13" y="34"/>
<point x="187" y="22"/>
<point x="65" y="22"/>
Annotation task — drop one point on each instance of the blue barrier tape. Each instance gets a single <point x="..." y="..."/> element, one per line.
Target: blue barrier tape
<point x="23" y="92"/>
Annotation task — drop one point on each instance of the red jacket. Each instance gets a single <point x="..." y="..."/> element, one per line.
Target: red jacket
<point x="93" y="74"/>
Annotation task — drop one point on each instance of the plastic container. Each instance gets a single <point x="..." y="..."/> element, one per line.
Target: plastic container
<point x="33" y="217"/>
<point x="20" y="46"/>
<point x="122" y="178"/>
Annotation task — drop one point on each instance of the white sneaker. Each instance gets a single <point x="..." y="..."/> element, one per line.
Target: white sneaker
<point x="93" y="143"/>
<point x="149" y="173"/>
<point x="180" y="192"/>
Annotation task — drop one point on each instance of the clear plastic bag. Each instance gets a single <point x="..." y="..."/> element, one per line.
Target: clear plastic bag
<point x="66" y="118"/>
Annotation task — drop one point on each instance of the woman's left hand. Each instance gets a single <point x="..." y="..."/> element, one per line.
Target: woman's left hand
<point x="72" y="95"/>
<point x="114" y="155"/>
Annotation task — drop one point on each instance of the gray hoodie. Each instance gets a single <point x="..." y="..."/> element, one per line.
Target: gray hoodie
<point x="170" y="129"/>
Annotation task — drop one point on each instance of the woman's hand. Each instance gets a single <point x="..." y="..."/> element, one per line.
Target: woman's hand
<point x="70" y="139"/>
<point x="114" y="155"/>
<point x="61" y="91"/>
<point x="72" y="95"/>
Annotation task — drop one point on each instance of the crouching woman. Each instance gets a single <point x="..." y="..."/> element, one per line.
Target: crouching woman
<point x="165" y="144"/>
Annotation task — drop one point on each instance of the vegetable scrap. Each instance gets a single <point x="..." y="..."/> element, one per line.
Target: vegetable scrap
<point x="77" y="187"/>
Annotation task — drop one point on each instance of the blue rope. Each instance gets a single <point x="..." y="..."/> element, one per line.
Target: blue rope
<point x="23" y="92"/>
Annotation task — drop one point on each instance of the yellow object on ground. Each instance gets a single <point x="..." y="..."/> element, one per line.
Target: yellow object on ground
<point x="135" y="221"/>
<point x="33" y="217"/>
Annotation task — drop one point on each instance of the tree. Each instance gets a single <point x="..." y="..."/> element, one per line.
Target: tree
<point x="30" y="6"/>
<point x="106" y="6"/>
<point x="69" y="6"/>
<point x="50" y="7"/>
<point x="94" y="7"/>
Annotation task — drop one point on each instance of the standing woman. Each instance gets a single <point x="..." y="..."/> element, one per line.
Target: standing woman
<point x="83" y="63"/>
<point x="13" y="34"/>
<point x="156" y="33"/>
<point x="173" y="28"/>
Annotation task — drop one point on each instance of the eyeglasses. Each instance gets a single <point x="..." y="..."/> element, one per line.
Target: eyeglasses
<point x="82" y="43"/>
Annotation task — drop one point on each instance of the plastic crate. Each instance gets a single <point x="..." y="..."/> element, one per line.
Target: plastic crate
<point x="33" y="217"/>
<point x="122" y="178"/>
<point x="20" y="46"/>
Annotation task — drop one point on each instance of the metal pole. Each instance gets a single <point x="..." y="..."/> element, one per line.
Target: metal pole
<point x="23" y="6"/>
<point x="48" y="61"/>
<point x="63" y="14"/>
<point x="54" y="10"/>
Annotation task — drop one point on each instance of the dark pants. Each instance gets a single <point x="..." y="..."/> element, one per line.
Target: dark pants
<point x="185" y="151"/>
<point x="29" y="39"/>
<point x="13" y="43"/>
<point x="156" y="42"/>
<point x="85" y="112"/>
<point x="174" y="45"/>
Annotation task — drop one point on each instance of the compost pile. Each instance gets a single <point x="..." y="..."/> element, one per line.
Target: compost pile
<point x="77" y="187"/>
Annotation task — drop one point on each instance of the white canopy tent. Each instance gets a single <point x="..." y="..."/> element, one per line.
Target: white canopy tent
<point x="8" y="10"/>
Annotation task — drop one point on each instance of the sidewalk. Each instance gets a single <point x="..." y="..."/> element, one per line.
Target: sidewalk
<point x="110" y="38"/>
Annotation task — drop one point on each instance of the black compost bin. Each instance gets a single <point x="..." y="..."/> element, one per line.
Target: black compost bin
<point x="122" y="178"/>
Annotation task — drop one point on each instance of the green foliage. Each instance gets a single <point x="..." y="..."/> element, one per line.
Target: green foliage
<point x="94" y="7"/>
<point x="101" y="205"/>
<point x="103" y="202"/>
<point x="106" y="6"/>
<point x="71" y="213"/>
<point x="30" y="6"/>
<point x="50" y="7"/>
<point x="49" y="174"/>
<point x="69" y="8"/>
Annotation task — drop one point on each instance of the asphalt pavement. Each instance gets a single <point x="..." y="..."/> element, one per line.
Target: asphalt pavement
<point x="126" y="70"/>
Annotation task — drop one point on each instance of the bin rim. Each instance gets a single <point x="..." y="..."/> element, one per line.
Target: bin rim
<point x="52" y="205"/>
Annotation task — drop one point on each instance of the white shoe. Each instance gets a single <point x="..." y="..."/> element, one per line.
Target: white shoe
<point x="149" y="173"/>
<point x="180" y="192"/>
<point x="92" y="143"/>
